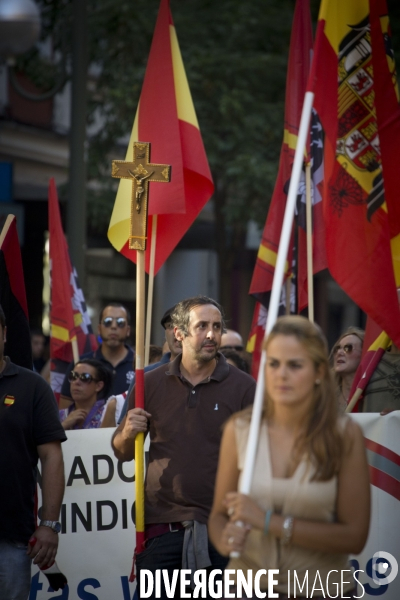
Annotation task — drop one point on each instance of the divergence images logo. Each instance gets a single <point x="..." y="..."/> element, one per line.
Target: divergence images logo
<point x="384" y="568"/>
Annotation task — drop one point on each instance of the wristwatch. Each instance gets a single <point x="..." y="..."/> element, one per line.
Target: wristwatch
<point x="54" y="525"/>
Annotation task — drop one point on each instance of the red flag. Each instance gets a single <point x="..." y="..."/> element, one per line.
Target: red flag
<point x="256" y="336"/>
<point x="388" y="117"/>
<point x="354" y="90"/>
<point x="166" y="118"/>
<point x="13" y="297"/>
<point x="68" y="314"/>
<point x="298" y="70"/>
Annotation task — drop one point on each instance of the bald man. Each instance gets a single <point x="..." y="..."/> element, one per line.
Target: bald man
<point x="232" y="340"/>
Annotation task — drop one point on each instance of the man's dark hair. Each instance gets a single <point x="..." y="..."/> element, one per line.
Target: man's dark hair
<point x="181" y="313"/>
<point x="103" y="373"/>
<point x="37" y="332"/>
<point x="2" y="317"/>
<point x="166" y="318"/>
<point x="116" y="305"/>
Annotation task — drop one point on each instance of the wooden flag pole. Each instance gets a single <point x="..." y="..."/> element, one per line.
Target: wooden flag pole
<point x="150" y="291"/>
<point x="310" y="269"/>
<point x="139" y="396"/>
<point x="140" y="172"/>
<point x="288" y="289"/>
<point x="354" y="400"/>
<point x="75" y="350"/>
<point x="252" y="443"/>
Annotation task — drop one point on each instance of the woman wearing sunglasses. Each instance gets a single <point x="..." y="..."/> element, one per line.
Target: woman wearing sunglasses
<point x="345" y="358"/>
<point x="90" y="382"/>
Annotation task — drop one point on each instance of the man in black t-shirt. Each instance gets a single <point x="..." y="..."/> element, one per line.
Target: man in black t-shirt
<point x="30" y="430"/>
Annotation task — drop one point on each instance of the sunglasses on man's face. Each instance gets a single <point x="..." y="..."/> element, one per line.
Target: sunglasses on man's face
<point x="120" y="321"/>
<point x="347" y="348"/>
<point x="84" y="377"/>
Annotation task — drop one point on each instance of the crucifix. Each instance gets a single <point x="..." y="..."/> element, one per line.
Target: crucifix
<point x="141" y="172"/>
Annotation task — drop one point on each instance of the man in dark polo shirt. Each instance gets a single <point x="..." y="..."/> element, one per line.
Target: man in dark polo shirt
<point x="30" y="430"/>
<point x="114" y="330"/>
<point x="187" y="402"/>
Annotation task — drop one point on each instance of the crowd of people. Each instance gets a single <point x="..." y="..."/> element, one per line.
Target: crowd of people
<point x="198" y="396"/>
<point x="116" y="355"/>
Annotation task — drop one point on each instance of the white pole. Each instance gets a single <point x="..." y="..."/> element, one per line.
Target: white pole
<point x="252" y="443"/>
<point x="289" y="212"/>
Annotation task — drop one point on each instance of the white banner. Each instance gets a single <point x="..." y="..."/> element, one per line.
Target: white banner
<point x="98" y="535"/>
<point x="382" y="440"/>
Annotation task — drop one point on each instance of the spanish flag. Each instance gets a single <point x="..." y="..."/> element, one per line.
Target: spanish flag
<point x="166" y="118"/>
<point x="9" y="400"/>
<point x="356" y="97"/>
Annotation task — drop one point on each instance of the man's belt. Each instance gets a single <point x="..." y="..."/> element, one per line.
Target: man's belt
<point x="155" y="529"/>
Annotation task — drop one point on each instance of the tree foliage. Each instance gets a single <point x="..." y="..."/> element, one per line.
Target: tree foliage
<point x="235" y="56"/>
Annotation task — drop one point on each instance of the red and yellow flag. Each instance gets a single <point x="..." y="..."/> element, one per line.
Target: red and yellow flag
<point x="353" y="79"/>
<point x="166" y="118"/>
<point x="69" y="318"/>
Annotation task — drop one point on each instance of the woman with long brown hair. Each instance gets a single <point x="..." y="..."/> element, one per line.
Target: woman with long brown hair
<point x="300" y="516"/>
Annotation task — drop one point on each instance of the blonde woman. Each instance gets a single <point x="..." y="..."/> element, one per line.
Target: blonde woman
<point x="300" y="515"/>
<point x="345" y="358"/>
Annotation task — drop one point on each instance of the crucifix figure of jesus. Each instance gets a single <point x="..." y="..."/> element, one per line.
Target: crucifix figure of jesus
<point x="141" y="172"/>
<point x="139" y="188"/>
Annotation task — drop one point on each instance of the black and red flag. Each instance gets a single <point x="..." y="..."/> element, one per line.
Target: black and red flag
<point x="300" y="56"/>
